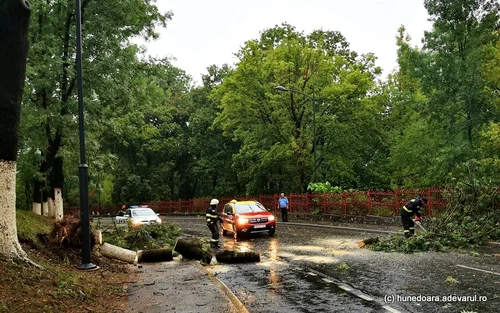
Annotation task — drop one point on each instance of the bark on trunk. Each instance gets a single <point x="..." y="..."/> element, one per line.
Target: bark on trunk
<point x="37" y="196"/>
<point x="232" y="256"/>
<point x="45" y="208"/>
<point x="192" y="249"/>
<point x="14" y="20"/>
<point x="37" y="208"/>
<point x="51" y="207"/>
<point x="114" y="252"/>
<point x="59" y="211"/>
<point x="9" y="244"/>
<point x="14" y="23"/>
<point x="98" y="237"/>
<point x="154" y="255"/>
<point x="367" y="241"/>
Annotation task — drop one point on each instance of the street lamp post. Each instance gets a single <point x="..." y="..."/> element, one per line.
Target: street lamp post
<point x="281" y="88"/>
<point x="82" y="168"/>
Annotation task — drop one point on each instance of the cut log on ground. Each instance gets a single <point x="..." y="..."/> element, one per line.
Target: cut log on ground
<point x="154" y="255"/>
<point x="115" y="252"/>
<point x="232" y="256"/>
<point x="368" y="241"/>
<point x="192" y="249"/>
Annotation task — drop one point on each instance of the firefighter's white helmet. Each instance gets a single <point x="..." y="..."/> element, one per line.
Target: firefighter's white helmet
<point x="214" y="202"/>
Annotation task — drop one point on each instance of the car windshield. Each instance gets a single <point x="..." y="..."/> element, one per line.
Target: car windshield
<point x="249" y="207"/>
<point x="143" y="212"/>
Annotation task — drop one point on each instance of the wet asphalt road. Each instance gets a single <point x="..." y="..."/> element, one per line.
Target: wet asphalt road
<point x="323" y="270"/>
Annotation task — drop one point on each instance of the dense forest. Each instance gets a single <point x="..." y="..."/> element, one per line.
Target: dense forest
<point x="153" y="135"/>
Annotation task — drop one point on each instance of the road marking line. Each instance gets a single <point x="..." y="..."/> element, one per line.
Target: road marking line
<point x="478" y="269"/>
<point x="327" y="280"/>
<point x="364" y="297"/>
<point x="345" y="288"/>
<point x="388" y="308"/>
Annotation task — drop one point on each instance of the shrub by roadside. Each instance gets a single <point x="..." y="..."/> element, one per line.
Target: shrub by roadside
<point x="470" y="221"/>
<point x="154" y="236"/>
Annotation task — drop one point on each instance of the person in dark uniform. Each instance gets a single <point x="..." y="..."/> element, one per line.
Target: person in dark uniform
<point x="212" y="219"/>
<point x="410" y="209"/>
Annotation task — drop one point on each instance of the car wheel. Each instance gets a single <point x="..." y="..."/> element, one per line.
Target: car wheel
<point x="272" y="232"/>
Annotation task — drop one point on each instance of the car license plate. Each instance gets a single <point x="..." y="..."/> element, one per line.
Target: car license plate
<point x="259" y="226"/>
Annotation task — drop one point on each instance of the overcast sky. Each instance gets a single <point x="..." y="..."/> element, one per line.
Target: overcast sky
<point x="203" y="33"/>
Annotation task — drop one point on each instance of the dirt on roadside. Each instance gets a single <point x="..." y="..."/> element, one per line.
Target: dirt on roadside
<point x="60" y="286"/>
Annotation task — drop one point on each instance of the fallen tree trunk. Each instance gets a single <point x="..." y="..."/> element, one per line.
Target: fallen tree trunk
<point x="231" y="256"/>
<point x="367" y="241"/>
<point x="192" y="249"/>
<point x="154" y="255"/>
<point x="118" y="253"/>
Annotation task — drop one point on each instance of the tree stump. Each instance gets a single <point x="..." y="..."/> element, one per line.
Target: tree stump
<point x="155" y="255"/>
<point x="232" y="256"/>
<point x="368" y="241"/>
<point x="192" y="249"/>
<point x="98" y="237"/>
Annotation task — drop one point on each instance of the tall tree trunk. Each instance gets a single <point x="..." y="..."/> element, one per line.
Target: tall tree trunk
<point x="54" y="168"/>
<point x="14" y="24"/>
<point x="58" y="181"/>
<point x="37" y="197"/>
<point x="58" y="201"/>
<point x="38" y="187"/>
<point x="28" y="193"/>
<point x="51" y="206"/>
<point x="45" y="203"/>
<point x="37" y="208"/>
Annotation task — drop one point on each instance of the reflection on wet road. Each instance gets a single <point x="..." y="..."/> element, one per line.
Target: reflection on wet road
<point x="322" y="270"/>
<point x="280" y="284"/>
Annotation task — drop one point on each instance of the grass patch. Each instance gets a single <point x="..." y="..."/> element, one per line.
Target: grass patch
<point x="29" y="225"/>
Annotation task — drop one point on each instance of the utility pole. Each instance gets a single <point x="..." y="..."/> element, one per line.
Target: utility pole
<point x="83" y="167"/>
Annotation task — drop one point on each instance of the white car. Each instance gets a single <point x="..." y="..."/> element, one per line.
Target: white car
<point x="138" y="216"/>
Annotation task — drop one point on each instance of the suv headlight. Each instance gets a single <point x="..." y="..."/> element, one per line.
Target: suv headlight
<point x="242" y="220"/>
<point x="271" y="218"/>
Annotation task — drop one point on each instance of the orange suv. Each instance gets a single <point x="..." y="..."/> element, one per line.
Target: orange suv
<point x="247" y="217"/>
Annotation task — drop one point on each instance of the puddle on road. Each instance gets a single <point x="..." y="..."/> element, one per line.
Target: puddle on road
<point x="294" y="289"/>
<point x="319" y="259"/>
<point x="277" y="284"/>
<point x="319" y="282"/>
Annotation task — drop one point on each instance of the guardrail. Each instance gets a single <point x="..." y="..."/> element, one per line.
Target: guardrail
<point x="377" y="203"/>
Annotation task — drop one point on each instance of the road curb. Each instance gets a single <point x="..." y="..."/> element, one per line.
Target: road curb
<point x="232" y="297"/>
<point x="366" y="230"/>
